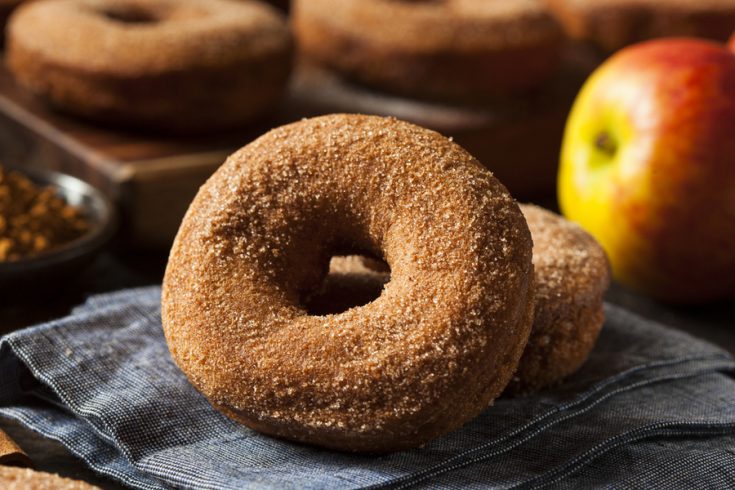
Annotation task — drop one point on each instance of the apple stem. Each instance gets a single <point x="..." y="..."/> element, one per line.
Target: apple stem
<point x="605" y="143"/>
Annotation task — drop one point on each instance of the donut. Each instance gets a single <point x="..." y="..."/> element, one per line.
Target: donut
<point x="453" y="49"/>
<point x="438" y="345"/>
<point x="613" y="24"/>
<point x="571" y="276"/>
<point x="25" y="479"/>
<point x="171" y="65"/>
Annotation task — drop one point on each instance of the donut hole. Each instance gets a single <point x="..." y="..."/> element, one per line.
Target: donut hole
<point x="131" y="15"/>
<point x="352" y="281"/>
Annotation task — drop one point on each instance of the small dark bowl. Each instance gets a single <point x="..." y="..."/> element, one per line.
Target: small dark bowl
<point x="52" y="268"/>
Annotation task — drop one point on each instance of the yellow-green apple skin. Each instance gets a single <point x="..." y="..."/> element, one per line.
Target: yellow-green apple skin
<point x="648" y="167"/>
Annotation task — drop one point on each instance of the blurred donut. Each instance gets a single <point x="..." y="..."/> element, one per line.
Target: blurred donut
<point x="174" y="65"/>
<point x="613" y="24"/>
<point x="453" y="49"/>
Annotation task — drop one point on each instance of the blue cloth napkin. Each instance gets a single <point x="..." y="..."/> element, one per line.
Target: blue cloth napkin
<point x="652" y="407"/>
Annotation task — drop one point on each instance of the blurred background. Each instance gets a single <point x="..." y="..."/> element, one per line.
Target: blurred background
<point x="142" y="100"/>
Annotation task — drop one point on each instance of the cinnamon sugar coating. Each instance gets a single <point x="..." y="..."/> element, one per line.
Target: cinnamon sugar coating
<point x="446" y="49"/>
<point x="430" y="353"/>
<point x="571" y="276"/>
<point x="613" y="24"/>
<point x="178" y="65"/>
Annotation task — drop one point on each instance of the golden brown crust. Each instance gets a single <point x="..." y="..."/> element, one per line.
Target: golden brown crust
<point x="25" y="479"/>
<point x="180" y="66"/>
<point x="453" y="49"/>
<point x="572" y="275"/>
<point x="433" y="351"/>
<point x="613" y="24"/>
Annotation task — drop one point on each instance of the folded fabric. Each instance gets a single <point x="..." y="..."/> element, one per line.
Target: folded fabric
<point x="652" y="407"/>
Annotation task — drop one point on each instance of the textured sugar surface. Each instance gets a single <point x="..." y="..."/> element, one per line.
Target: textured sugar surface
<point x="182" y="33"/>
<point x="572" y="275"/>
<point x="431" y="352"/>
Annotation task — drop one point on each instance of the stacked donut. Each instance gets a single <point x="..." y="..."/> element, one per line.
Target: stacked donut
<point x="449" y="331"/>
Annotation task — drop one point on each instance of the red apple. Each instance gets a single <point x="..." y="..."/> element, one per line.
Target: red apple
<point x="731" y="43"/>
<point x="648" y="167"/>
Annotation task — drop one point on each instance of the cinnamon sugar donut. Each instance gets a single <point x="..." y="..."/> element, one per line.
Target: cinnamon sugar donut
<point x="25" y="479"/>
<point x="571" y="276"/>
<point x="613" y="24"/>
<point x="179" y="65"/>
<point x="455" y="49"/>
<point x="438" y="345"/>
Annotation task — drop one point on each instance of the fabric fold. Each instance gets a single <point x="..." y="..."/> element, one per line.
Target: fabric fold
<point x="102" y="383"/>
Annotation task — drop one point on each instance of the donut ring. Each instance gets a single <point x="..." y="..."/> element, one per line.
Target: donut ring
<point x="434" y="350"/>
<point x="571" y="276"/>
<point x="175" y="65"/>
<point x="613" y="24"/>
<point x="450" y="49"/>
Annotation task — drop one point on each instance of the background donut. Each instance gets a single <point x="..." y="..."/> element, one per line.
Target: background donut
<point x="455" y="49"/>
<point x="613" y="24"/>
<point x="184" y="65"/>
<point x="439" y="344"/>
